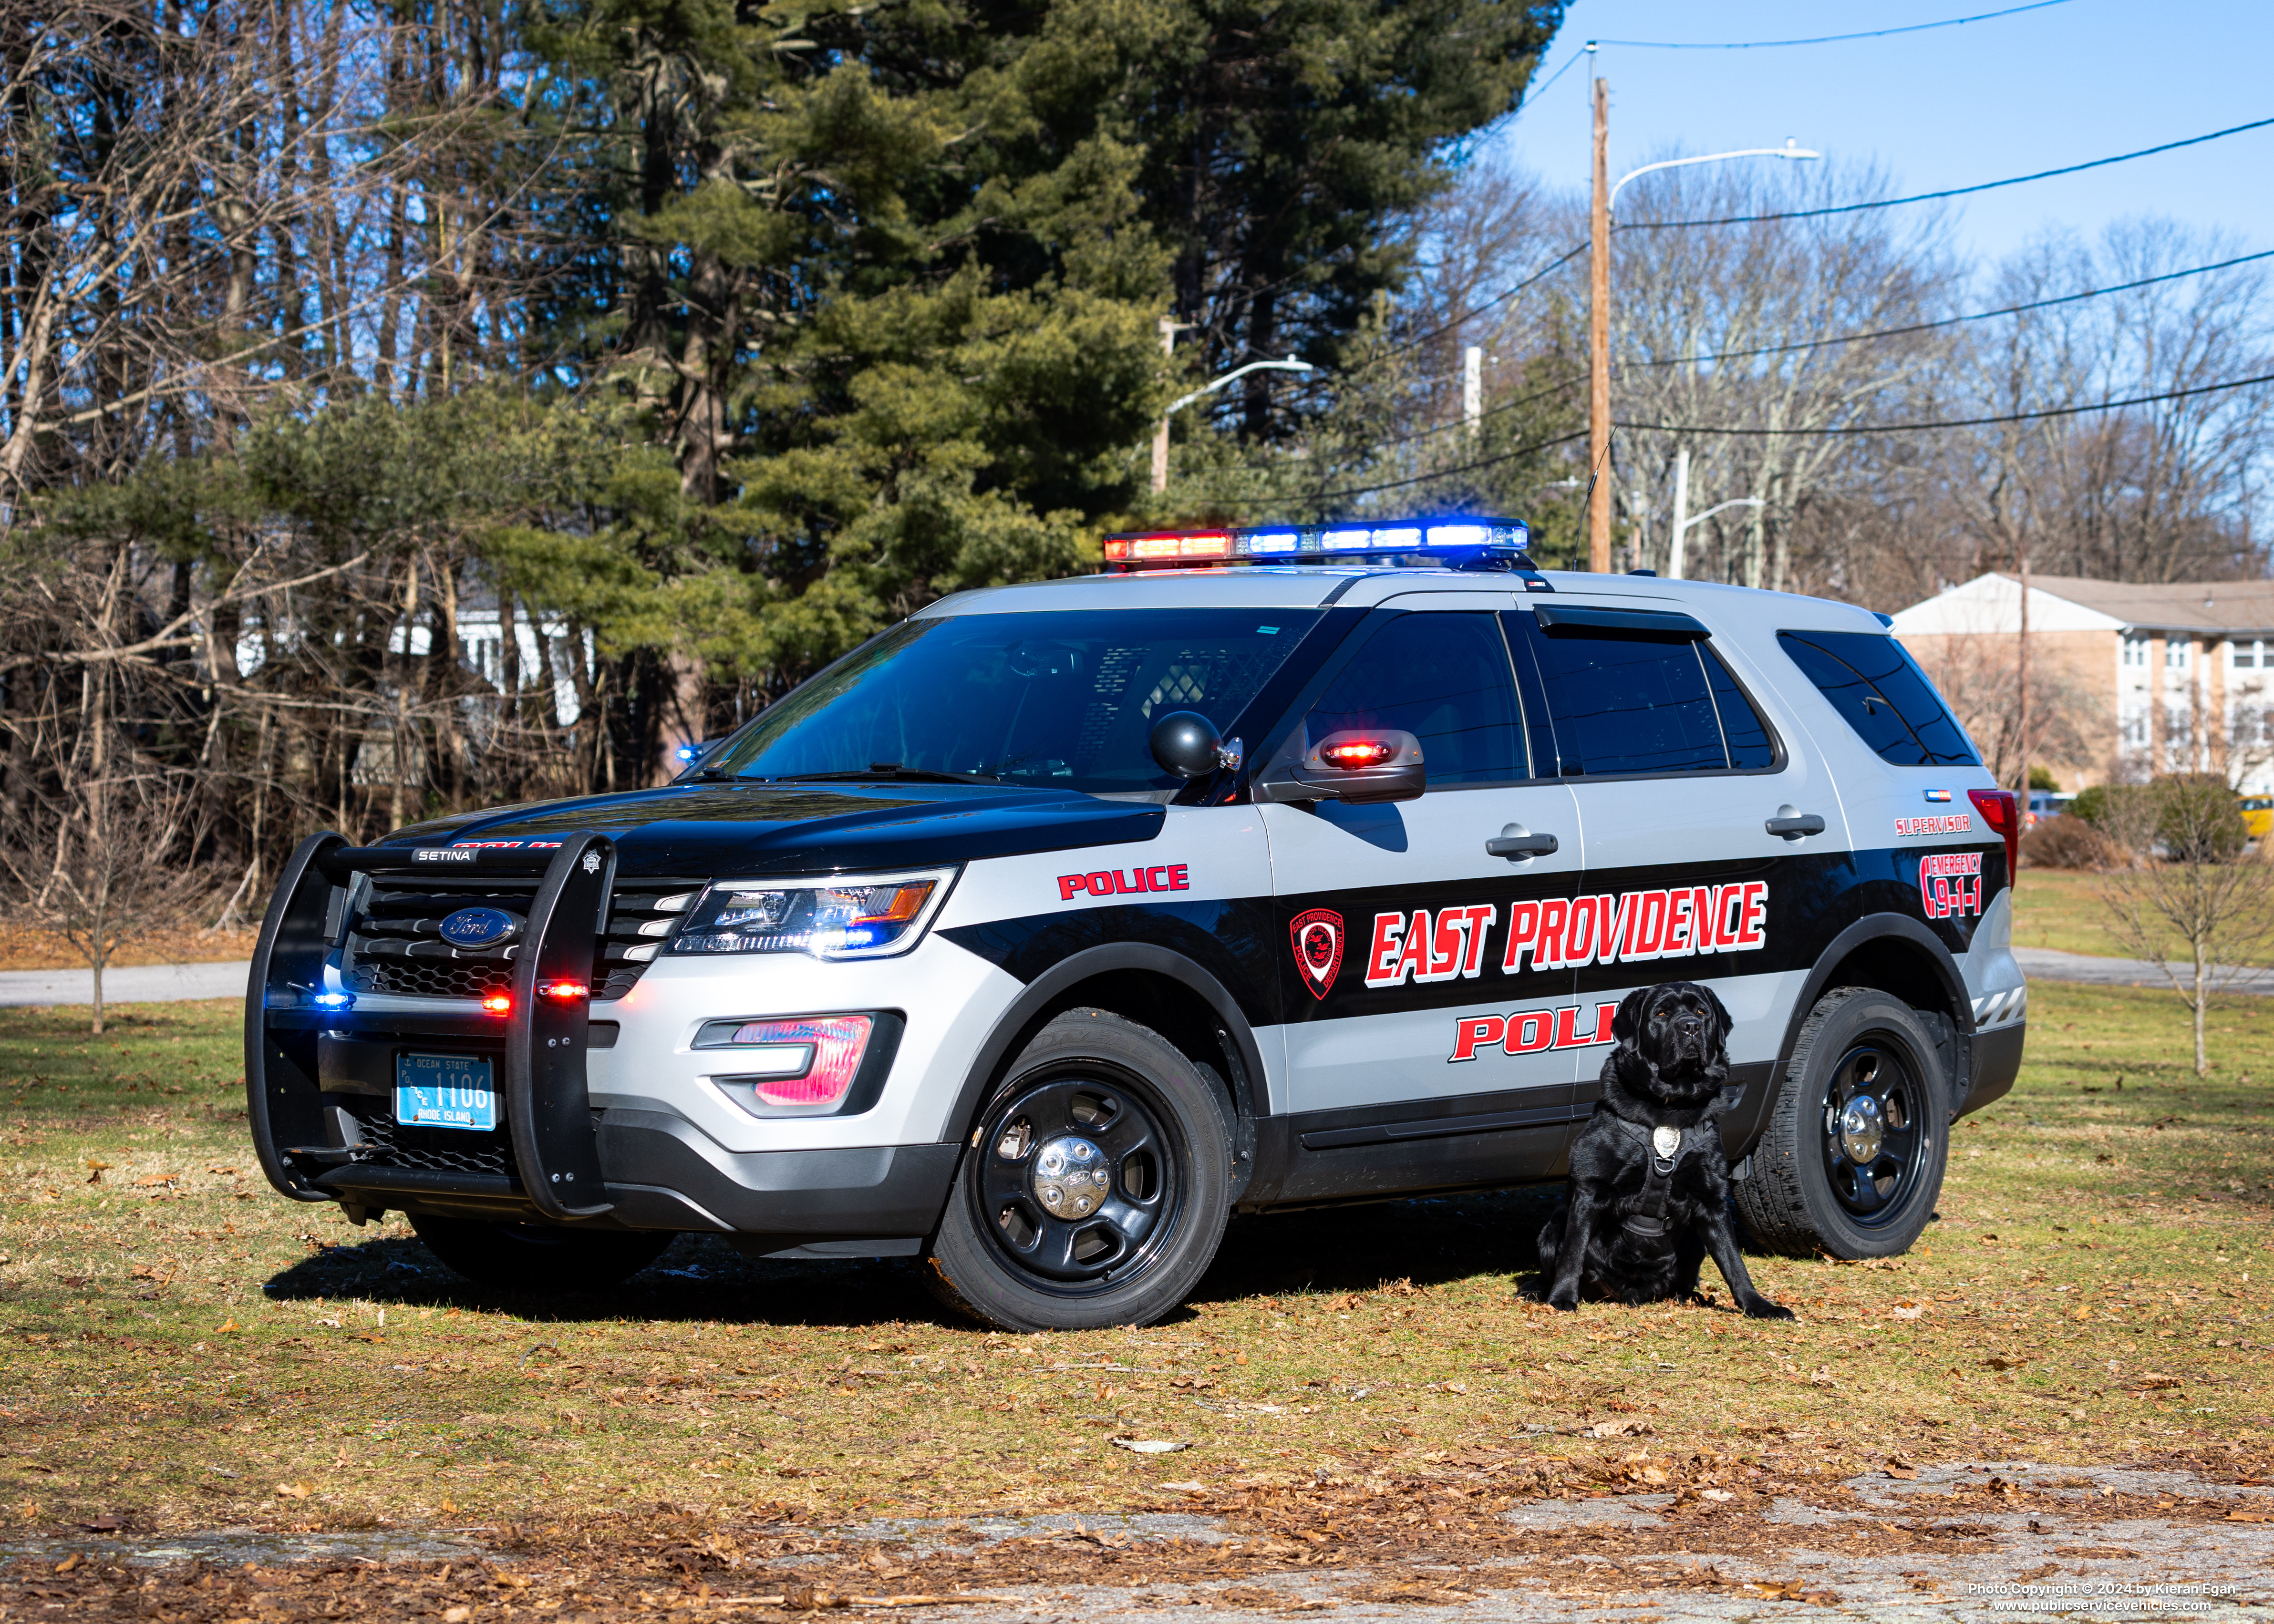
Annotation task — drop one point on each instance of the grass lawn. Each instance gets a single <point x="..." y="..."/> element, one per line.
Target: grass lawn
<point x="183" y="1348"/>
<point x="2057" y="908"/>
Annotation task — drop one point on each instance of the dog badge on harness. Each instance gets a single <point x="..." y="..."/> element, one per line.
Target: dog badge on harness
<point x="1667" y="1142"/>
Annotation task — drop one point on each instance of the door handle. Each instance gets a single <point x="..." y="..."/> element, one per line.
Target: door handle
<point x="1517" y="843"/>
<point x="1792" y="823"/>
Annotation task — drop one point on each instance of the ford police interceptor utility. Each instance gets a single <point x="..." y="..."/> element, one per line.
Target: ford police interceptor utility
<point x="1271" y="868"/>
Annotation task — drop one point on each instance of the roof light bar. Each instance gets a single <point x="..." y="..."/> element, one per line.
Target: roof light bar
<point x="1458" y="542"/>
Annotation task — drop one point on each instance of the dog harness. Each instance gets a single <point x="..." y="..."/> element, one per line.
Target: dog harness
<point x="1664" y="1149"/>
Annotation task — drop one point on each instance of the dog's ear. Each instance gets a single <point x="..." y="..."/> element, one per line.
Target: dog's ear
<point x="1721" y="1014"/>
<point x="1626" y="1025"/>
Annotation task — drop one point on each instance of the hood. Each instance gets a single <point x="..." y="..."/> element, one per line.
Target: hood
<point x="742" y="830"/>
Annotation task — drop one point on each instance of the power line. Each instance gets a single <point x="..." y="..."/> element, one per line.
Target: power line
<point x="1477" y="310"/>
<point x="1829" y="39"/>
<point x="1445" y="473"/>
<point x="1952" y="192"/>
<point x="1461" y="423"/>
<point x="1532" y="92"/>
<point x="1979" y="315"/>
<point x="1960" y="422"/>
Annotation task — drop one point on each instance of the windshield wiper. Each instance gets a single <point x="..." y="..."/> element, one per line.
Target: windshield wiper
<point x="885" y="772"/>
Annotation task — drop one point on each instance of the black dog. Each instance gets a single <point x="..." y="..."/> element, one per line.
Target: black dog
<point x="1649" y="1192"/>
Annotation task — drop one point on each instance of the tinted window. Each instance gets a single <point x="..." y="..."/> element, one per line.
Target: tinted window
<point x="1064" y="699"/>
<point x="1444" y="678"/>
<point x="1747" y="735"/>
<point x="1628" y="704"/>
<point x="1873" y="683"/>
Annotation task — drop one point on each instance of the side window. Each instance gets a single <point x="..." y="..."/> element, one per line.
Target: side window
<point x="1748" y="736"/>
<point x="1622" y="702"/>
<point x="1873" y="683"/>
<point x="1442" y="678"/>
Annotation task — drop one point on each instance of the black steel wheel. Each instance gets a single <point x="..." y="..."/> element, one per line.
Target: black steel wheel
<point x="536" y="1257"/>
<point x="1852" y="1158"/>
<point x="1871" y="1141"/>
<point x="1096" y="1185"/>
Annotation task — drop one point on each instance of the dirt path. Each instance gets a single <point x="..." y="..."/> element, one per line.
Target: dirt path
<point x="1965" y="1541"/>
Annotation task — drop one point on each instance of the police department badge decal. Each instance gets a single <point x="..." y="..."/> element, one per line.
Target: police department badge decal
<point x="1318" y="939"/>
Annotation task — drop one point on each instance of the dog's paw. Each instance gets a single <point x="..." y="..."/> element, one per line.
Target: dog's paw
<point x="1567" y="1302"/>
<point x="1761" y="1308"/>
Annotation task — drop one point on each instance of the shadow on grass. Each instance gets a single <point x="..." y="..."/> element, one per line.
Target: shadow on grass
<point x="1487" y="1238"/>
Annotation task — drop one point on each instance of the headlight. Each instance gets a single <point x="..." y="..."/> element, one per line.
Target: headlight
<point x="851" y="916"/>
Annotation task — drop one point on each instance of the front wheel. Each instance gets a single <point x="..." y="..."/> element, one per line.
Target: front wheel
<point x="536" y="1257"/>
<point x="1096" y="1189"/>
<point x="1852" y="1158"/>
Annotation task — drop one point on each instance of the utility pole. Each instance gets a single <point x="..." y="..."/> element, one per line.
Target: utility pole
<point x="1473" y="388"/>
<point x="1681" y="513"/>
<point x="1599" y="341"/>
<point x="1168" y="325"/>
<point x="2021" y="694"/>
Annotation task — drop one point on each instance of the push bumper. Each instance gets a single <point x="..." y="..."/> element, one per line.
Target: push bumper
<point x="564" y="1161"/>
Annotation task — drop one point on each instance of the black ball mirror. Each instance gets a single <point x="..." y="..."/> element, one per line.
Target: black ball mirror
<point x="1185" y="742"/>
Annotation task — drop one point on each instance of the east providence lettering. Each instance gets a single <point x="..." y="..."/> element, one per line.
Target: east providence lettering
<point x="1560" y="933"/>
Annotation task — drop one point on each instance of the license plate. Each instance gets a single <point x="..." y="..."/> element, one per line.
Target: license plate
<point x="444" y="1091"/>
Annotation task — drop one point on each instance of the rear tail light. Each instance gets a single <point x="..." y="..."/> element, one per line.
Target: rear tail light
<point x="794" y="1067"/>
<point x="2000" y="810"/>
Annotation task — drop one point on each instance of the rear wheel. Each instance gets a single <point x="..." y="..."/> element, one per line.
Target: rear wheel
<point x="1096" y="1189"/>
<point x="536" y="1256"/>
<point x="1852" y="1159"/>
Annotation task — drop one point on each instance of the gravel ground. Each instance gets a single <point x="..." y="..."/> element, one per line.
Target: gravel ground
<point x="2202" y="1551"/>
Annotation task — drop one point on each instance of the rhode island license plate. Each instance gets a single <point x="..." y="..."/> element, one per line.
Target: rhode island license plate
<point x="444" y="1091"/>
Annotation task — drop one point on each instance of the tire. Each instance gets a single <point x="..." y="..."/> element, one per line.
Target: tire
<point x="1121" y="1247"/>
<point x="1858" y="1183"/>
<point x="531" y="1257"/>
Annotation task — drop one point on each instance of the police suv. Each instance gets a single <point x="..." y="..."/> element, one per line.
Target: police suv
<point x="1272" y="867"/>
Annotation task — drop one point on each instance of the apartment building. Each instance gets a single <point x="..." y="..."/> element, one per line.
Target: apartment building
<point x="2177" y="677"/>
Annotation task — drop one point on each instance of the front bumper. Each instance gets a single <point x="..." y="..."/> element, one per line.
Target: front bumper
<point x="319" y="1094"/>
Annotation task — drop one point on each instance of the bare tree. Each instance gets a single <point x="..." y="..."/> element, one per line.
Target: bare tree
<point x="2158" y="492"/>
<point x="106" y="865"/>
<point x="1721" y="327"/>
<point x="2191" y="900"/>
<point x="2065" y="717"/>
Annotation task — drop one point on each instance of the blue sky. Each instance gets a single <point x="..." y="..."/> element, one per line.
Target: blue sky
<point x="2087" y="78"/>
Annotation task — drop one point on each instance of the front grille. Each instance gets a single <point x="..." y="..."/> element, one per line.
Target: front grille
<point x="417" y="978"/>
<point x="389" y="1143"/>
<point x="395" y="944"/>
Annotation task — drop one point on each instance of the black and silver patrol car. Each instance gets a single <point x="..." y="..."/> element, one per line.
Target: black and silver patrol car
<point x="1271" y="867"/>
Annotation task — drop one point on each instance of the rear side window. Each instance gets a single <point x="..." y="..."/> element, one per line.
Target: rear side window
<point x="1627" y="703"/>
<point x="1442" y="678"/>
<point x="1876" y="686"/>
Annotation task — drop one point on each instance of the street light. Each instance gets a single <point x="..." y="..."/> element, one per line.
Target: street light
<point x="1682" y="503"/>
<point x="1161" y="434"/>
<point x="1790" y="149"/>
<point x="1599" y="313"/>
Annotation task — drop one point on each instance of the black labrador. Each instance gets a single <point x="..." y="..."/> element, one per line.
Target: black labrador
<point x="1648" y="1196"/>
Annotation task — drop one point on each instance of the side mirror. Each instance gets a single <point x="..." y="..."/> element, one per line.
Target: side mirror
<point x="1358" y="766"/>
<point x="1185" y="742"/>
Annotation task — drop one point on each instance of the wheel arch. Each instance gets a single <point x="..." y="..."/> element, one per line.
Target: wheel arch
<point x="1902" y="958"/>
<point x="1154" y="986"/>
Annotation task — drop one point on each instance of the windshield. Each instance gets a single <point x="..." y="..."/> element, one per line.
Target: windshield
<point x="1064" y="699"/>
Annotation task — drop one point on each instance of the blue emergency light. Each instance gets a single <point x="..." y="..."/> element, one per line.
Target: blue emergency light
<point x="1457" y="543"/>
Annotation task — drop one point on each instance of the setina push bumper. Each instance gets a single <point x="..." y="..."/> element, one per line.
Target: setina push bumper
<point x="480" y="1107"/>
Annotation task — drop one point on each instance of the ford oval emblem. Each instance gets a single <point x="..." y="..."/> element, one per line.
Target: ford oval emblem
<point x="478" y="926"/>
